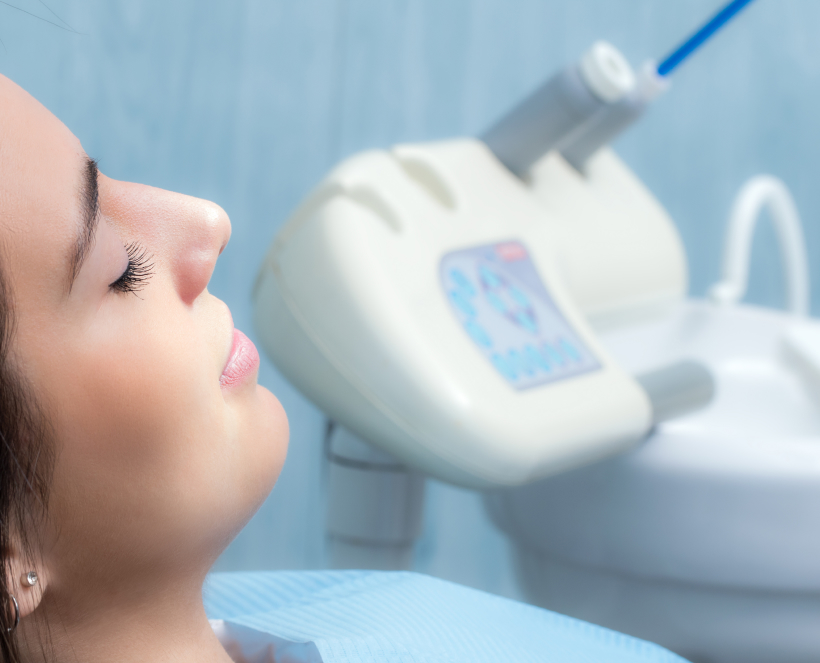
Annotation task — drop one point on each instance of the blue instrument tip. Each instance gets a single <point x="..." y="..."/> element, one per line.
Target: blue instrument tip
<point x="696" y="40"/>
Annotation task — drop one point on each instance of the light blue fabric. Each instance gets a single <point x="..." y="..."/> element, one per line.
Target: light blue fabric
<point x="378" y="617"/>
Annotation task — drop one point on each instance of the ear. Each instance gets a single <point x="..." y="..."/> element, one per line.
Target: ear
<point x="28" y="596"/>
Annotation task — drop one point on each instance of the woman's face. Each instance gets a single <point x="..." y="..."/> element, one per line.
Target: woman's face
<point x="162" y="453"/>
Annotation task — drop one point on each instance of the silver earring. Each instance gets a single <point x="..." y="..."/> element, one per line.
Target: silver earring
<point x="30" y="579"/>
<point x="11" y="629"/>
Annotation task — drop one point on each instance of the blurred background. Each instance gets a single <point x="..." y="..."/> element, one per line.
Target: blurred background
<point x="250" y="102"/>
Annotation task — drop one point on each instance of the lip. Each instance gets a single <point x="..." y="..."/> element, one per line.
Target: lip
<point x="243" y="361"/>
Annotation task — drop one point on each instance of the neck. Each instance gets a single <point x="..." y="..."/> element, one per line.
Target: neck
<point x="164" y="625"/>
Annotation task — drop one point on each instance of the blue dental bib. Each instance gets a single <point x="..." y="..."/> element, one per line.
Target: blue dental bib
<point x="398" y="617"/>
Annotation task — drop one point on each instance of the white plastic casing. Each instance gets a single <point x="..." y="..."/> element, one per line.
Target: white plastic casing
<point x="349" y="306"/>
<point x="618" y="251"/>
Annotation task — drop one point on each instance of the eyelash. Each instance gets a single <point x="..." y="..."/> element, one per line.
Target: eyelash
<point x="140" y="269"/>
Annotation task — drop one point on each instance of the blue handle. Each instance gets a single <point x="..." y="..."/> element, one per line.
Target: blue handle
<point x="696" y="40"/>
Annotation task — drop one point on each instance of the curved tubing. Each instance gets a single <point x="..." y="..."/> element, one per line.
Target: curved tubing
<point x="770" y="192"/>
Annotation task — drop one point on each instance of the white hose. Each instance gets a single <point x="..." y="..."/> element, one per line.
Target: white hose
<point x="764" y="191"/>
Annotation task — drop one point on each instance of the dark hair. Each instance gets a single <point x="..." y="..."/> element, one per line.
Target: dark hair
<point x="26" y="465"/>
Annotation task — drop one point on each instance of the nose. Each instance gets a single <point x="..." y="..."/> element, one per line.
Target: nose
<point x="185" y="234"/>
<point x="204" y="231"/>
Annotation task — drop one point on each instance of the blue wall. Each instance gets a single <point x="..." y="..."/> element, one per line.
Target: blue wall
<point x="250" y="102"/>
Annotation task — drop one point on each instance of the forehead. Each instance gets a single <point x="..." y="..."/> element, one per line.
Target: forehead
<point x="40" y="181"/>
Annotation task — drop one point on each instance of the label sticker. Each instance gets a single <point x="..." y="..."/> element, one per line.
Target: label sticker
<point x="505" y="310"/>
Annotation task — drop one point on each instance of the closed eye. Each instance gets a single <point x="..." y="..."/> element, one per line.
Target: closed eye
<point x="138" y="272"/>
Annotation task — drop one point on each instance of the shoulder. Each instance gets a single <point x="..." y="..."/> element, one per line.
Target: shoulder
<point x="385" y="616"/>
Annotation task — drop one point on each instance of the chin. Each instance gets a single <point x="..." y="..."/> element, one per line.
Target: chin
<point x="247" y="473"/>
<point x="267" y="442"/>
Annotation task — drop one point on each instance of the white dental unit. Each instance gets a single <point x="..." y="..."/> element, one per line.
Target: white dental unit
<point x="509" y="314"/>
<point x="427" y="294"/>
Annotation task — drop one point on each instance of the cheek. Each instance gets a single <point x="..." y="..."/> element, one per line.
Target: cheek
<point x="143" y="433"/>
<point x="129" y="395"/>
<point x="156" y="462"/>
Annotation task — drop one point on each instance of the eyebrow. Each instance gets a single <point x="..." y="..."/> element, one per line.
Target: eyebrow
<point x="90" y="208"/>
